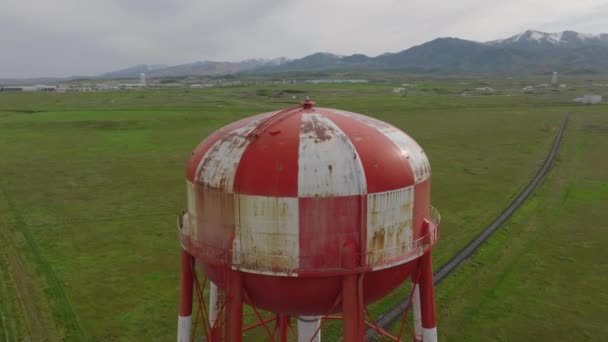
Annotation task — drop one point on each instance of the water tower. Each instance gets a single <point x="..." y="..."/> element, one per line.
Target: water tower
<point x="305" y="212"/>
<point x="554" y="78"/>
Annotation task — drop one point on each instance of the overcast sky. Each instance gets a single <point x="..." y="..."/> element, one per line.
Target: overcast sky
<point x="88" y="37"/>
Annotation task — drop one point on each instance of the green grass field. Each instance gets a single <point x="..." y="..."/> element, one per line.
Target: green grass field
<point x="91" y="183"/>
<point x="543" y="277"/>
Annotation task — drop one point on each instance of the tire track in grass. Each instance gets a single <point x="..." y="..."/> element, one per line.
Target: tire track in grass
<point x="61" y="307"/>
<point x="386" y="320"/>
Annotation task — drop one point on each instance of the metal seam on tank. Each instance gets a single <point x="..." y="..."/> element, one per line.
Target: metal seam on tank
<point x="326" y="166"/>
<point x="415" y="155"/>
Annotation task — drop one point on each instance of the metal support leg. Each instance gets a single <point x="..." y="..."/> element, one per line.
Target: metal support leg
<point x="184" y="319"/>
<point x="427" y="299"/>
<point x="214" y="308"/>
<point x="234" y="309"/>
<point x="307" y="327"/>
<point x="352" y="310"/>
<point x="416" y="306"/>
<point x="283" y="325"/>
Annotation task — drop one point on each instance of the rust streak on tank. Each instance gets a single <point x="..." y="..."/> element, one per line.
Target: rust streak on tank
<point x="318" y="130"/>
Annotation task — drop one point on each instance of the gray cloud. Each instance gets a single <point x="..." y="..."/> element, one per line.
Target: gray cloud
<point x="80" y="37"/>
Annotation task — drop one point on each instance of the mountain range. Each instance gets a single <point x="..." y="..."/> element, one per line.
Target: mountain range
<point x="528" y="52"/>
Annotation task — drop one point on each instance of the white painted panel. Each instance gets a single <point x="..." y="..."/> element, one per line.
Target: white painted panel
<point x="409" y="147"/>
<point x="217" y="168"/>
<point x="328" y="162"/>
<point x="267" y="237"/>
<point x="190" y="219"/>
<point x="389" y="227"/>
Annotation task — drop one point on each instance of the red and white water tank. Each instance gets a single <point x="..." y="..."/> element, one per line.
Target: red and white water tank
<point x="287" y="207"/>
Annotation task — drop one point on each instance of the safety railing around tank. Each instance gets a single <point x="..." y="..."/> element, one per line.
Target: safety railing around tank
<point x="396" y="255"/>
<point x="259" y="261"/>
<point x="434" y="215"/>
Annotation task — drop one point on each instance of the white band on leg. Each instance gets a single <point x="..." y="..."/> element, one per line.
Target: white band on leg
<point x="417" y="312"/>
<point x="429" y="335"/>
<point x="307" y="327"/>
<point x="184" y="326"/>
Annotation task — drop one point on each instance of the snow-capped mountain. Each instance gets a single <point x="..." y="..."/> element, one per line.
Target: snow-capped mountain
<point x="528" y="52"/>
<point x="531" y="39"/>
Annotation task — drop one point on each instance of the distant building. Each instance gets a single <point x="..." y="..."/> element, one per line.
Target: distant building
<point x="554" y="78"/>
<point x="11" y="88"/>
<point x="485" y="89"/>
<point x="203" y="85"/>
<point x="106" y="87"/>
<point x="142" y="80"/>
<point x="398" y="90"/>
<point x="39" y="87"/>
<point x="589" y="99"/>
<point x="127" y="86"/>
<point x="335" y="81"/>
<point x="528" y="88"/>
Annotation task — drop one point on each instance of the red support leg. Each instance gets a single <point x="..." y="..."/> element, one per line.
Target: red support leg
<point x="283" y="325"/>
<point x="352" y="310"/>
<point x="184" y="320"/>
<point x="234" y="308"/>
<point x="427" y="299"/>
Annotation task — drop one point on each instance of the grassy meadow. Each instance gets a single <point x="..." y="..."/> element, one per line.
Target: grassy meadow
<point x="91" y="183"/>
<point x="543" y="276"/>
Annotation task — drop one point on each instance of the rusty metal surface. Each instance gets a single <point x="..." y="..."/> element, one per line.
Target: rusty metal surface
<point x="266" y="234"/>
<point x="328" y="162"/>
<point x="282" y="193"/>
<point x="389" y="225"/>
<point x="281" y="264"/>
<point x="217" y="169"/>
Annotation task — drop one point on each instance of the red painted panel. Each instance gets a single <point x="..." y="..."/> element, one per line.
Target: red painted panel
<point x="326" y="224"/>
<point x="422" y="202"/>
<point x="385" y="166"/>
<point x="269" y="166"/>
<point x="202" y="148"/>
<point x="291" y="295"/>
<point x="378" y="284"/>
<point x="215" y="220"/>
<point x="309" y="296"/>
